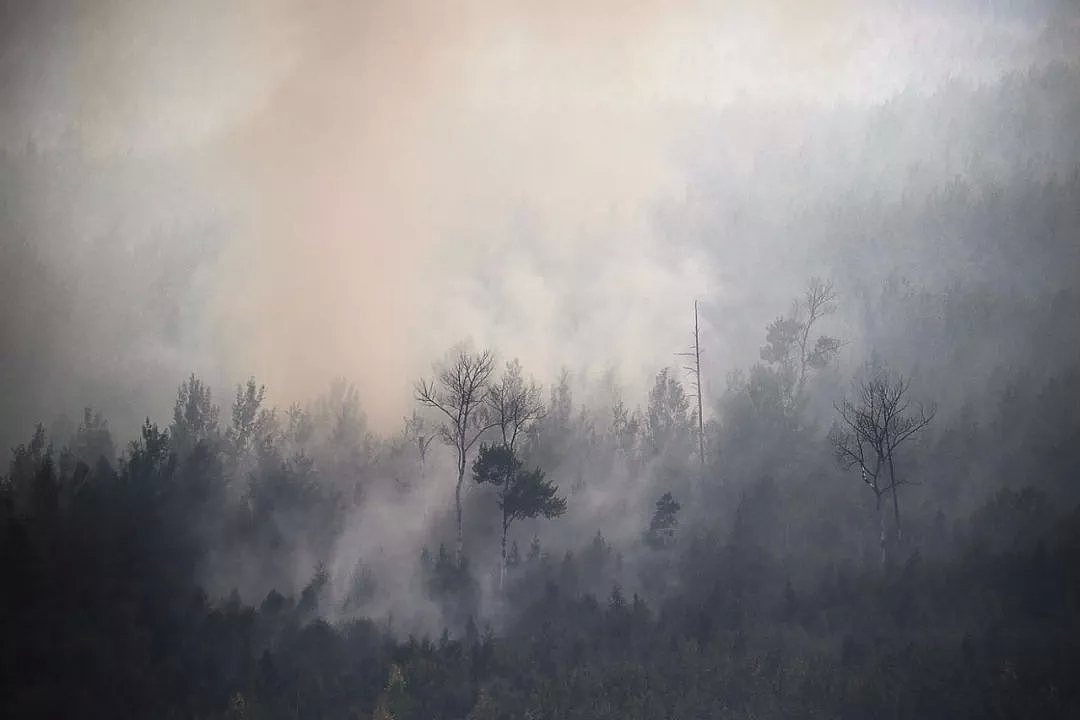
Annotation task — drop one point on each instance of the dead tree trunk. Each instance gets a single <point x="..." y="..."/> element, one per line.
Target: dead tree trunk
<point x="881" y="530"/>
<point x="895" y="501"/>
<point x="502" y="563"/>
<point x="460" y="545"/>
<point x="695" y="370"/>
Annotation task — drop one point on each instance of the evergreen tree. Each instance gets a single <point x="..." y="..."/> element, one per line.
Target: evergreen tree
<point x="521" y="493"/>
<point x="664" y="522"/>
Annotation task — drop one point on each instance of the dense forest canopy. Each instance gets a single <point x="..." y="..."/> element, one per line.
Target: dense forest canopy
<point x="349" y="365"/>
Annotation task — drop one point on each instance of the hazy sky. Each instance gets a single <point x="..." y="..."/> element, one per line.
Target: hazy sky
<point x="348" y="188"/>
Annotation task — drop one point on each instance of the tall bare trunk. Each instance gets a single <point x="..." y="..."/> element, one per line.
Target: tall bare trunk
<point x="697" y="382"/>
<point x="457" y="502"/>
<point x="895" y="501"/>
<point x="502" y="565"/>
<point x="695" y="355"/>
<point x="881" y="531"/>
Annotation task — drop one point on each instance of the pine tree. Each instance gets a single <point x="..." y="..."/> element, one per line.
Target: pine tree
<point x="665" y="520"/>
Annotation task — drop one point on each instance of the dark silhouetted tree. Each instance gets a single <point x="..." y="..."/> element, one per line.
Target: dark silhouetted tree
<point x="458" y="392"/>
<point x="665" y="521"/>
<point x="871" y="428"/>
<point x="195" y="417"/>
<point x="521" y="493"/>
<point x="92" y="440"/>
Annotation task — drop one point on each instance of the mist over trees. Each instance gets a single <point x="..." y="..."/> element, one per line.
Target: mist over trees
<point x="873" y="511"/>
<point x="770" y="566"/>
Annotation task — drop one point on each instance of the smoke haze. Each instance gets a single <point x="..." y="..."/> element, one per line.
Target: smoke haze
<point x="338" y="199"/>
<point x="303" y="191"/>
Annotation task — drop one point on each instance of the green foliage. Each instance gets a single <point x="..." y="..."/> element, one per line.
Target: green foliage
<point x="522" y="493"/>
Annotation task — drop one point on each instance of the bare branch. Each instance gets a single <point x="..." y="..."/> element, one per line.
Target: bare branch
<point x="458" y="393"/>
<point x="876" y="423"/>
<point x="514" y="405"/>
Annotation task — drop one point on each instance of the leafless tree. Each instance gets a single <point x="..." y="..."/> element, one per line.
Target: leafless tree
<point x="854" y="443"/>
<point x="695" y="370"/>
<point x="870" y="430"/>
<point x="458" y="392"/>
<point x="514" y="404"/>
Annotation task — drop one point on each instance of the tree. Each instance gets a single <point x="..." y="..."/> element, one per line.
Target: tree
<point x="550" y="438"/>
<point x="301" y="426"/>
<point x="246" y="416"/>
<point x="513" y="404"/>
<point x="788" y="345"/>
<point x="521" y="493"/>
<point x="695" y="370"/>
<point x="344" y="443"/>
<point x="32" y="477"/>
<point x="667" y="420"/>
<point x="625" y="429"/>
<point x="195" y="417"/>
<point x="870" y="430"/>
<point x="149" y="456"/>
<point x="92" y="440"/>
<point x="458" y="392"/>
<point x="416" y="432"/>
<point x="665" y="520"/>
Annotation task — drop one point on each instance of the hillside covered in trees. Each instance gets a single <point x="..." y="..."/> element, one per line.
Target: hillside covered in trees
<point x="676" y="378"/>
<point x="222" y="563"/>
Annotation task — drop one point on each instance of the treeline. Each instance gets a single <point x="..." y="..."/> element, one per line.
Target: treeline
<point x="630" y="580"/>
<point x="103" y="617"/>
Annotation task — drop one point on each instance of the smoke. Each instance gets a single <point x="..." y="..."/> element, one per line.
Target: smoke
<point x="306" y="190"/>
<point x="301" y="191"/>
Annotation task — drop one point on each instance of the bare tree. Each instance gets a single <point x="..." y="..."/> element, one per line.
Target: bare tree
<point x="854" y="440"/>
<point x="513" y="404"/>
<point x="900" y="421"/>
<point x="871" y="429"/>
<point x="695" y="370"/>
<point x="458" y="392"/>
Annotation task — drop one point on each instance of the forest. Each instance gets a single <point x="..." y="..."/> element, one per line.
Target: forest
<point x="886" y="556"/>
<point x="380" y="361"/>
